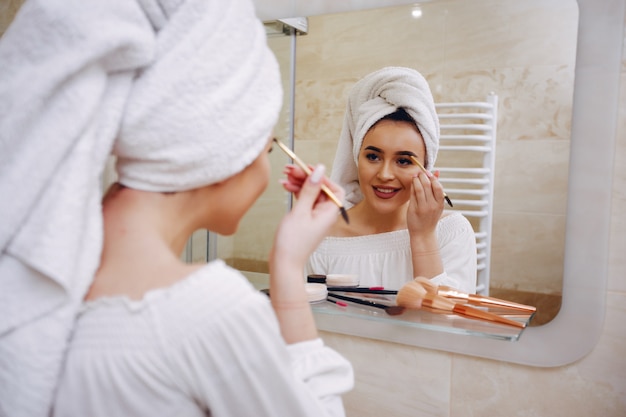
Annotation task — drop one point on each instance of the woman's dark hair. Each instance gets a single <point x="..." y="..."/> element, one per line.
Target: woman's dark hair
<point x="400" y="115"/>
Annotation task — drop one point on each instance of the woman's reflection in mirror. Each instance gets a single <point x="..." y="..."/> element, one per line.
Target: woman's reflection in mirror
<point x="398" y="226"/>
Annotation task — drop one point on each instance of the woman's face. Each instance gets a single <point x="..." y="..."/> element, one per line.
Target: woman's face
<point x="385" y="168"/>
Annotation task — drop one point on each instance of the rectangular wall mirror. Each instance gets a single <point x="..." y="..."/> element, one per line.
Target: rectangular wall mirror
<point x="542" y="60"/>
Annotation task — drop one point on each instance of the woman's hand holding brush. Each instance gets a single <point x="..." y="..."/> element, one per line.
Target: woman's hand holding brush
<point x="295" y="178"/>
<point x="311" y="217"/>
<point x="307" y="170"/>
<point x="299" y="233"/>
<point x="425" y="208"/>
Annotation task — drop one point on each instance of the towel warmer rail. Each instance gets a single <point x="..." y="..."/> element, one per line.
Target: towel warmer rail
<point x="466" y="164"/>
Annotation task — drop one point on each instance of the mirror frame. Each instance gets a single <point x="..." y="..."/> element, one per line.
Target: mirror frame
<point x="577" y="327"/>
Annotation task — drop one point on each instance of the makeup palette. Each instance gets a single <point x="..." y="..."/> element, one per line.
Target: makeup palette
<point x="342" y="280"/>
<point x="316" y="292"/>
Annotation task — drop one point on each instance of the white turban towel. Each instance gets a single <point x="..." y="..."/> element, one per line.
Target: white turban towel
<point x="186" y="92"/>
<point x="373" y="97"/>
<point x="206" y="107"/>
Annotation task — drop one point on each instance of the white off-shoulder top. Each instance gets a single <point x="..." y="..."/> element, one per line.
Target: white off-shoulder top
<point x="209" y="345"/>
<point x="384" y="259"/>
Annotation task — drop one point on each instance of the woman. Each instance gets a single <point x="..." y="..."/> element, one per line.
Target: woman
<point x="115" y="323"/>
<point x="398" y="227"/>
<point x="157" y="336"/>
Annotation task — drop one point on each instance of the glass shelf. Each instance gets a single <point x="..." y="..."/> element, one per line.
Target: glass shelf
<point x="429" y="319"/>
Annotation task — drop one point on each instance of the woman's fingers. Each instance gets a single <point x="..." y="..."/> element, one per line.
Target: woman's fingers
<point x="426" y="204"/>
<point x="311" y="187"/>
<point x="296" y="178"/>
<point x="421" y="186"/>
<point x="309" y="220"/>
<point x="427" y="189"/>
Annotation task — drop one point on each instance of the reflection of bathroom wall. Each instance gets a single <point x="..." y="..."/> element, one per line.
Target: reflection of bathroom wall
<point x="522" y="51"/>
<point x="8" y="9"/>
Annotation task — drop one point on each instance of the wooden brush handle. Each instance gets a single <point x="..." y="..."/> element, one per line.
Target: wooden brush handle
<point x="484" y="315"/>
<point x="308" y="171"/>
<point x="481" y="300"/>
<point x="496" y="302"/>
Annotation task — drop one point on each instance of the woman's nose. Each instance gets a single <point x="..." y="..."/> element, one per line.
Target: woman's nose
<point x="385" y="172"/>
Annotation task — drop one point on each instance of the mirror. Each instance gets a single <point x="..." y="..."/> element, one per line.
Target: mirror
<point x="465" y="52"/>
<point x="574" y="331"/>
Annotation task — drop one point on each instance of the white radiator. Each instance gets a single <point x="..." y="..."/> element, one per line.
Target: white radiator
<point x="466" y="163"/>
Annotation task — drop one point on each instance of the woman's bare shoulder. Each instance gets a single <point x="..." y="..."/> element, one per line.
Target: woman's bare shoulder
<point x="339" y="229"/>
<point x="356" y="226"/>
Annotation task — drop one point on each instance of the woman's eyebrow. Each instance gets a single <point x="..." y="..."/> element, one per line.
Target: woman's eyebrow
<point x="406" y="153"/>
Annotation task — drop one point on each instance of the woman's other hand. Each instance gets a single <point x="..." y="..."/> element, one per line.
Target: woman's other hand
<point x="426" y="204"/>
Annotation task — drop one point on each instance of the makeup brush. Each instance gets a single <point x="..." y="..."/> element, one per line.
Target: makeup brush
<point x="391" y="310"/>
<point x="414" y="295"/>
<point x="474" y="299"/>
<point x="414" y="158"/>
<point x="308" y="171"/>
<point x="372" y="290"/>
<point x="337" y="302"/>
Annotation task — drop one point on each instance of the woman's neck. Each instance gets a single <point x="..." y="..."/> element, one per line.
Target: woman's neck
<point x="365" y="220"/>
<point x="142" y="245"/>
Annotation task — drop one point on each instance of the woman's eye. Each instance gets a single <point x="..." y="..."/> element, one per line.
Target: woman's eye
<point x="404" y="161"/>
<point x="371" y="157"/>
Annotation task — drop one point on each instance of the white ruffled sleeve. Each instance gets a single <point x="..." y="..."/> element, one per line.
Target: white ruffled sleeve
<point x="457" y="246"/>
<point x="326" y="373"/>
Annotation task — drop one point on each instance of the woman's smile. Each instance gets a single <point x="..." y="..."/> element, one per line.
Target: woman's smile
<point x="385" y="192"/>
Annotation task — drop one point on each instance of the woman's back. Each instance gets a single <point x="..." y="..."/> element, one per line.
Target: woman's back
<point x="209" y="344"/>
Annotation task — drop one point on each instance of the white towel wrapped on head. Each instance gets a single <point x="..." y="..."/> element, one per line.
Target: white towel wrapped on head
<point x="206" y="107"/>
<point x="187" y="87"/>
<point x="373" y="97"/>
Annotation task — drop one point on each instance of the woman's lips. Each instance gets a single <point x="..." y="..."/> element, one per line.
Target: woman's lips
<point x="385" y="192"/>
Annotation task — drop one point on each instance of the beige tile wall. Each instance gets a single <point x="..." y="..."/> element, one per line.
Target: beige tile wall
<point x="8" y="9"/>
